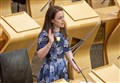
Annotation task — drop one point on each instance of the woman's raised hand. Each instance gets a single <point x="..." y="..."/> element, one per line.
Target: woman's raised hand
<point x="50" y="36"/>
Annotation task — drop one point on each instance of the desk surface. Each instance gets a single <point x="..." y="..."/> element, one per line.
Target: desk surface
<point x="77" y="11"/>
<point x="19" y="24"/>
<point x="108" y="73"/>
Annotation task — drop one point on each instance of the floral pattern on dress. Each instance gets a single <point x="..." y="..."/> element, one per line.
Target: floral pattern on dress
<point x="54" y="66"/>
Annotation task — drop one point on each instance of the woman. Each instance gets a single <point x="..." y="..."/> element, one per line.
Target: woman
<point x="53" y="45"/>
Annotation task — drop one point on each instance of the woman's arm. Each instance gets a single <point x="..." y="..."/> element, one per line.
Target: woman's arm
<point x="43" y="51"/>
<point x="69" y="57"/>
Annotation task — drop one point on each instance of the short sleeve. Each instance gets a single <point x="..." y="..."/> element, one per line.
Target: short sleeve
<point x="66" y="45"/>
<point x="42" y="40"/>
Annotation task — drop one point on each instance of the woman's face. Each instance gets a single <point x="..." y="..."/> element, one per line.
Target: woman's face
<point x="58" y="21"/>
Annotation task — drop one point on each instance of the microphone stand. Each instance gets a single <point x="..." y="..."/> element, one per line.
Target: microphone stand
<point x="80" y="71"/>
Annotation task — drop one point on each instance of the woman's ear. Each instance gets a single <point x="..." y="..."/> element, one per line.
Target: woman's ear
<point x="52" y="20"/>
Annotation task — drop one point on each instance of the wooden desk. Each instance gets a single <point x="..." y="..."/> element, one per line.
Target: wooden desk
<point x="20" y="32"/>
<point x="108" y="16"/>
<point x="106" y="74"/>
<point x="110" y="19"/>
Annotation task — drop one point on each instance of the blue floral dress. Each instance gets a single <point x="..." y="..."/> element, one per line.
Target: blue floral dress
<point x="54" y="66"/>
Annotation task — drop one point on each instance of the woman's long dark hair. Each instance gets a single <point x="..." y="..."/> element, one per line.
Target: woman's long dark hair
<point x="50" y="14"/>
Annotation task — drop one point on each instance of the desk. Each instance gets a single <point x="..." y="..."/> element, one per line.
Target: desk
<point x="110" y="19"/>
<point x="108" y="16"/>
<point x="20" y="31"/>
<point x="106" y="74"/>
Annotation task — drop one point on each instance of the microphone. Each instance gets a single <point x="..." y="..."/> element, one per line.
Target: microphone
<point x="80" y="71"/>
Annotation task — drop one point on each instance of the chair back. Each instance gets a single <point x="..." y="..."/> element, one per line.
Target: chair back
<point x="15" y="67"/>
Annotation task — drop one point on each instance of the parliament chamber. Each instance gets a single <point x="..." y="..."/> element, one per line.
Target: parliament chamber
<point x="93" y="27"/>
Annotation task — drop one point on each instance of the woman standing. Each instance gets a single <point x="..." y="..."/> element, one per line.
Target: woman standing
<point x="53" y="45"/>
